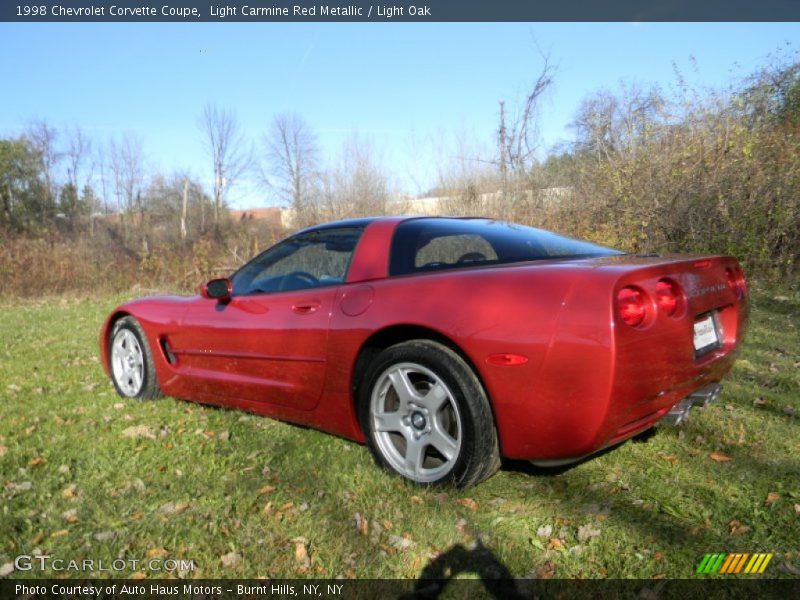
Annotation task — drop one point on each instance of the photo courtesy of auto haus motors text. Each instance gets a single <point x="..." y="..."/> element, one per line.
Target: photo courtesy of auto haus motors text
<point x="399" y="299"/>
<point x="181" y="589"/>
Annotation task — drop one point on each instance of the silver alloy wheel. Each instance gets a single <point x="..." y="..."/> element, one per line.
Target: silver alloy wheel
<point x="127" y="362"/>
<point x="416" y="422"/>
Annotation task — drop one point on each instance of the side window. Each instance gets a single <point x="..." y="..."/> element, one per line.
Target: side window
<point x="309" y="260"/>
<point x="454" y="250"/>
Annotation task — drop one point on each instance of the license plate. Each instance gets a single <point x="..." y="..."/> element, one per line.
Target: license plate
<point x="705" y="334"/>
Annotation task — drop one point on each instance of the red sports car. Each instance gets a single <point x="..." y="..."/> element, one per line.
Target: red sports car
<point x="444" y="343"/>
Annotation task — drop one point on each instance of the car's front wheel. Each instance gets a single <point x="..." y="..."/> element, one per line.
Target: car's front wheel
<point x="132" y="368"/>
<point x="427" y="416"/>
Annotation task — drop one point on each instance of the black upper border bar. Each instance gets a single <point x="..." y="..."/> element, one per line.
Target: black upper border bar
<point x="404" y="10"/>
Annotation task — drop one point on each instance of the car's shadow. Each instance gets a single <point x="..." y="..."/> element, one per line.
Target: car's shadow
<point x="480" y="560"/>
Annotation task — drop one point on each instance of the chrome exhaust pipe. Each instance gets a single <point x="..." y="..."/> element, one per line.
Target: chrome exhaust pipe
<point x="702" y="397"/>
<point x="678" y="413"/>
<point x="706" y="395"/>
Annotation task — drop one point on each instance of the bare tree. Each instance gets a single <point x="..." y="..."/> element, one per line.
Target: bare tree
<point x="43" y="139"/>
<point x="358" y="185"/>
<point x="78" y="154"/>
<point x="517" y="135"/>
<point x="230" y="157"/>
<point x="292" y="156"/>
<point x="127" y="169"/>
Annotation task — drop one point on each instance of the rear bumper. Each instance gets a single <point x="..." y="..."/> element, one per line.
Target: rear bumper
<point x="580" y="429"/>
<point x="665" y="416"/>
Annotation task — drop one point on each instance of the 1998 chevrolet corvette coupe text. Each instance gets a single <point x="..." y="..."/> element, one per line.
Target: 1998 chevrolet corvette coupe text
<point x="444" y="343"/>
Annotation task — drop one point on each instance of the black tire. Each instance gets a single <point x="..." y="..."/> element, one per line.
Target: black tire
<point x="123" y="378"/>
<point x="464" y="415"/>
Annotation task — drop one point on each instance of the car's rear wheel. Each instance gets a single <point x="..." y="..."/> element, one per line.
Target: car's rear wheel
<point x="132" y="368"/>
<point x="427" y="416"/>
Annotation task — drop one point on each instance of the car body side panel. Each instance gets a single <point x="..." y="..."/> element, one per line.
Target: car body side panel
<point x="261" y="348"/>
<point x="493" y="311"/>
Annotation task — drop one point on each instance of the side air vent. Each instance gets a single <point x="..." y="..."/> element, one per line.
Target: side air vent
<point x="165" y="348"/>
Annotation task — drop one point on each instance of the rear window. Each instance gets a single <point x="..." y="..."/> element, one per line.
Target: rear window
<point x="421" y="245"/>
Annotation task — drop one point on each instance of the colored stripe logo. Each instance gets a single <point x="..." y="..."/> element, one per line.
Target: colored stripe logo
<point x="734" y="563"/>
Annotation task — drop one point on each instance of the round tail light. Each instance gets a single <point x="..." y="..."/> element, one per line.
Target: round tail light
<point x="668" y="296"/>
<point x="632" y="305"/>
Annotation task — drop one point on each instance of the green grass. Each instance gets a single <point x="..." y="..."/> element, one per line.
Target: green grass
<point x="214" y="482"/>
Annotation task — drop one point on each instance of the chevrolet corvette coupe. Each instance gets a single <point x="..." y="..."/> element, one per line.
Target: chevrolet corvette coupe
<point x="444" y="343"/>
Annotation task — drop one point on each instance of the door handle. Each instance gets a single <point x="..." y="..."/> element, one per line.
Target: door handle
<point x="306" y="308"/>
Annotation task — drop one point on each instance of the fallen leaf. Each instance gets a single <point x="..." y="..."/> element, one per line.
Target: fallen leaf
<point x="37" y="461"/>
<point x="760" y="402"/>
<point x="225" y="436"/>
<point x="555" y="543"/>
<point x="105" y="536"/>
<point x="59" y="533"/>
<point x="266" y="490"/>
<point x="546" y="571"/>
<point x="301" y="555"/>
<point x="157" y="553"/>
<point x="230" y="560"/>
<point x="173" y="508"/>
<point x="69" y="491"/>
<point x="658" y="556"/>
<point x="386" y="524"/>
<point x="63" y="469"/>
<point x="70" y="516"/>
<point x="287" y="506"/>
<point x="401" y="543"/>
<point x="37" y="538"/>
<point x="772" y="498"/>
<point x="736" y="527"/>
<point x="719" y="457"/>
<point x="670" y="458"/>
<point x="119" y="406"/>
<point x="587" y="532"/>
<point x="545" y="531"/>
<point x="3" y="450"/>
<point x="469" y="503"/>
<point x="797" y="509"/>
<point x="7" y="569"/>
<point x="416" y="499"/>
<point x="139" y="431"/>
<point x="137" y="516"/>
<point x="461" y="526"/>
<point x="362" y="524"/>
<point x="139" y="575"/>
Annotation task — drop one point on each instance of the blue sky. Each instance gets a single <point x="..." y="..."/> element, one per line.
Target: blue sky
<point x="405" y="86"/>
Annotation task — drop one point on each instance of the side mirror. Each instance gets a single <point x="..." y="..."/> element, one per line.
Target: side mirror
<point x="217" y="289"/>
